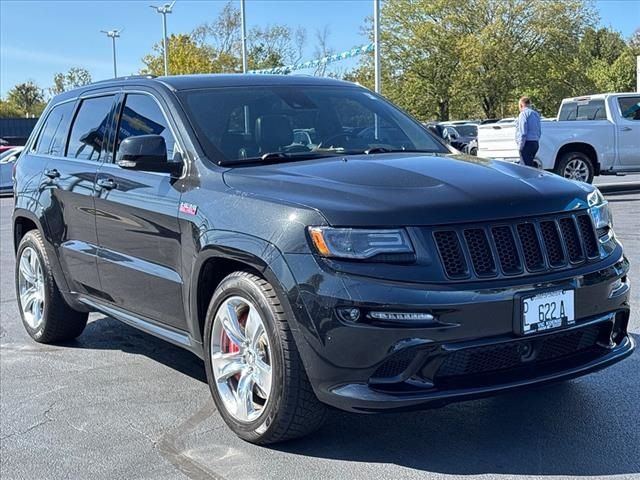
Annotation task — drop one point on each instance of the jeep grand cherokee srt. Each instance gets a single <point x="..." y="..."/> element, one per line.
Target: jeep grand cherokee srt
<point x="361" y="265"/>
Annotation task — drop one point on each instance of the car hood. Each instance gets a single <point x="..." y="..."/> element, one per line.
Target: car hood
<point x="410" y="189"/>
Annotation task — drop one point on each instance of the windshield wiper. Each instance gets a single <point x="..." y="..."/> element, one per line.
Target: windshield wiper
<point x="374" y="150"/>
<point x="274" y="157"/>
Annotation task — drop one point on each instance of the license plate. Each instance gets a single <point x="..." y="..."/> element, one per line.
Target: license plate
<point x="546" y="311"/>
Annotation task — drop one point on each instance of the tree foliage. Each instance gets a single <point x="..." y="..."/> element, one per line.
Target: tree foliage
<point x="445" y="58"/>
<point x="185" y="56"/>
<point x="74" y="78"/>
<point x="27" y="98"/>
<point x="9" y="110"/>
<point x="216" y="47"/>
<point x="267" y="47"/>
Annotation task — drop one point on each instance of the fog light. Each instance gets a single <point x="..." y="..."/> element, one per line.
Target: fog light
<point x="402" y="316"/>
<point x="349" y="314"/>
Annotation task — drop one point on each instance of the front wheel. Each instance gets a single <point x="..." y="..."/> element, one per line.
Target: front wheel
<point x="576" y="166"/>
<point x="253" y="366"/>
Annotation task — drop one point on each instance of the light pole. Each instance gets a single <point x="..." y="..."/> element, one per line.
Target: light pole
<point x="113" y="34"/>
<point x="164" y="10"/>
<point x="376" y="43"/>
<point x="243" y="19"/>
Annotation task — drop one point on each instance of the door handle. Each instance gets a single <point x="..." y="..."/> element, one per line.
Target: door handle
<point x="52" y="173"/>
<point x="625" y="129"/>
<point x="107" y="183"/>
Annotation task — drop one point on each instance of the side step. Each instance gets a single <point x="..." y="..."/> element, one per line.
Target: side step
<point x="171" y="335"/>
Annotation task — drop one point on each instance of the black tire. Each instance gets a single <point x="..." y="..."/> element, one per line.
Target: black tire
<point x="292" y="410"/>
<point x="59" y="321"/>
<point x="579" y="157"/>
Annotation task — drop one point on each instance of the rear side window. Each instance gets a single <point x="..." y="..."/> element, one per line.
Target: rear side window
<point x="54" y="132"/>
<point x="583" y="110"/>
<point x="89" y="131"/>
<point x="142" y="116"/>
<point x="629" y="107"/>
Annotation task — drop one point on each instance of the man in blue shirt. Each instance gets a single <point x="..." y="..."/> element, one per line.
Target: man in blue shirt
<point x="528" y="131"/>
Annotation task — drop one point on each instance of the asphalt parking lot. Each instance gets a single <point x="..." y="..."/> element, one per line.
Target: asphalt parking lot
<point x="118" y="403"/>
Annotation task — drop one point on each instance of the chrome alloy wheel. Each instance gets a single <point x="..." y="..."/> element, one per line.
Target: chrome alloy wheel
<point x="31" y="287"/>
<point x="241" y="359"/>
<point x="576" y="169"/>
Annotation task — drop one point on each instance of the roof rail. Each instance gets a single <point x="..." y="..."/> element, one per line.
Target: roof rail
<point x="127" y="77"/>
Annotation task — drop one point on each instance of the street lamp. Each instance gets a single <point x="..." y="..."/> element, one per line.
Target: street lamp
<point x="113" y="34"/>
<point x="164" y="10"/>
<point x="243" y="20"/>
<point x="376" y="43"/>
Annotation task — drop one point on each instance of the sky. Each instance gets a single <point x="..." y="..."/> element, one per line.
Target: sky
<point x="40" y="38"/>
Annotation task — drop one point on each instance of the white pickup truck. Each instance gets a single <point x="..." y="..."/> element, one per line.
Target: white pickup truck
<point x="593" y="135"/>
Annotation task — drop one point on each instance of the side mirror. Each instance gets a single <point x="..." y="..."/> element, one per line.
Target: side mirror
<point x="146" y="153"/>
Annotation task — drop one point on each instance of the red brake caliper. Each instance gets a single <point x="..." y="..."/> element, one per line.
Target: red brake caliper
<point x="227" y="345"/>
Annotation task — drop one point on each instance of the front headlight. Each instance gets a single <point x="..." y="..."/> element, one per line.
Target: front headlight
<point x="391" y="245"/>
<point x="600" y="213"/>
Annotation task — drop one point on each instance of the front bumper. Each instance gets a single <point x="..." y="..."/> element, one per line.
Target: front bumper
<point x="470" y="350"/>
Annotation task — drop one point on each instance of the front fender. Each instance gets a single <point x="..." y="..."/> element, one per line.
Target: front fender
<point x="265" y="258"/>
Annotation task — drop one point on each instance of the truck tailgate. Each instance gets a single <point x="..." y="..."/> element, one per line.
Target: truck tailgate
<point x="498" y="141"/>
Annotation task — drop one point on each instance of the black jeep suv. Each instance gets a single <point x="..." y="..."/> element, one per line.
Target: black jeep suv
<point x="313" y="244"/>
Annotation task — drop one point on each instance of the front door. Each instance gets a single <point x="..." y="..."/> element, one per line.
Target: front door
<point x="139" y="260"/>
<point x="629" y="132"/>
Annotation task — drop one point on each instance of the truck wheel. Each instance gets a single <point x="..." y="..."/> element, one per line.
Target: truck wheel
<point x="45" y="314"/>
<point x="253" y="366"/>
<point x="576" y="166"/>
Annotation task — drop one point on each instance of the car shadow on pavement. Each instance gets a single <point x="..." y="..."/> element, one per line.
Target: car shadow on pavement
<point x="106" y="333"/>
<point x="583" y="427"/>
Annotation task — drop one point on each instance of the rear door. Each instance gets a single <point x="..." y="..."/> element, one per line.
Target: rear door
<point x="70" y="175"/>
<point x="628" y="131"/>
<point x="137" y="222"/>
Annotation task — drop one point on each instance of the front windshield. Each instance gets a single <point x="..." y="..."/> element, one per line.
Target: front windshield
<point x="467" y="130"/>
<point x="243" y="123"/>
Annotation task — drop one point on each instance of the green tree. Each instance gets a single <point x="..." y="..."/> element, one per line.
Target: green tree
<point x="185" y="56"/>
<point x="28" y="97"/>
<point x="271" y="46"/>
<point x="473" y="58"/>
<point x="9" y="110"/>
<point x="74" y="78"/>
<point x="215" y="47"/>
<point x="620" y="76"/>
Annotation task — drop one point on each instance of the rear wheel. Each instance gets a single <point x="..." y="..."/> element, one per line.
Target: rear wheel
<point x="576" y="166"/>
<point x="253" y="367"/>
<point x="45" y="314"/>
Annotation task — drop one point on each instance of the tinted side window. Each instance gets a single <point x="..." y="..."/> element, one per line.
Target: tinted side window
<point x="88" y="134"/>
<point x="54" y="133"/>
<point x="583" y="110"/>
<point x="630" y="107"/>
<point x="142" y="116"/>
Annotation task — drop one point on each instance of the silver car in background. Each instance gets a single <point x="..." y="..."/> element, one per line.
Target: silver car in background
<point x="7" y="160"/>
